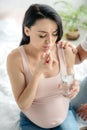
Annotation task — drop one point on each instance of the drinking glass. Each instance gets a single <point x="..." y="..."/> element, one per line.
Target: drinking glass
<point x="67" y="81"/>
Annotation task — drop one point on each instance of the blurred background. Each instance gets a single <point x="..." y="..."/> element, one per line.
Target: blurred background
<point x="73" y="13"/>
<point x="18" y="7"/>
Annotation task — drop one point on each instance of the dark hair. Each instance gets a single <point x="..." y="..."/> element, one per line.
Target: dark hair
<point x="36" y="12"/>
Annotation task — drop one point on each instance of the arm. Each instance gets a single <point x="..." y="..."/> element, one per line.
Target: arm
<point x="70" y="61"/>
<point x="24" y="95"/>
<point x="81" y="54"/>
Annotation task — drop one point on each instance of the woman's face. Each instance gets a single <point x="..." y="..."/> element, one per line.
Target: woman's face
<point x="43" y="35"/>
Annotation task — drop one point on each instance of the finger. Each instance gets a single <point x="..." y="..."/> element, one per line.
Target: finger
<point x="46" y="58"/>
<point x="80" y="110"/>
<point x="61" y="44"/>
<point x="73" y="94"/>
<point x="49" y="60"/>
<point x="82" y="115"/>
<point x="75" y="86"/>
<point x="77" y="89"/>
<point x="74" y="50"/>
<point x="75" y="83"/>
<point x="74" y="91"/>
<point x="65" y="45"/>
<point x="85" y="118"/>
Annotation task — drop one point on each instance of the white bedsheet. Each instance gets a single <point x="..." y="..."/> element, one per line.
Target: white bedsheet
<point x="10" y="36"/>
<point x="8" y="108"/>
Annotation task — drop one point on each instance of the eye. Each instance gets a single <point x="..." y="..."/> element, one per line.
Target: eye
<point x="55" y="34"/>
<point x="42" y="36"/>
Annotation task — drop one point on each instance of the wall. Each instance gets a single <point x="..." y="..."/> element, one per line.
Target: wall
<point x="9" y="5"/>
<point x="17" y="8"/>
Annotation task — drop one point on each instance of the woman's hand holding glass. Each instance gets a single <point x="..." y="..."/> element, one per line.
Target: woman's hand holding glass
<point x="69" y="88"/>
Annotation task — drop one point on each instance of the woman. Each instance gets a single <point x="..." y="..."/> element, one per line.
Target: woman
<point x="35" y="70"/>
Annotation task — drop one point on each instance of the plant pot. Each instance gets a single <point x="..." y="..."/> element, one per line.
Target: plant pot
<point x="72" y="35"/>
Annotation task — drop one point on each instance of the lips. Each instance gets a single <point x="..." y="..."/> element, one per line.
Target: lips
<point x="47" y="47"/>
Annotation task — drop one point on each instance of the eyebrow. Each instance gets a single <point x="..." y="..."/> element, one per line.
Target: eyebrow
<point x="47" y="32"/>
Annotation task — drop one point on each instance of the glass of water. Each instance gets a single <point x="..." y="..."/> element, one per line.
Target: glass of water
<point x="67" y="81"/>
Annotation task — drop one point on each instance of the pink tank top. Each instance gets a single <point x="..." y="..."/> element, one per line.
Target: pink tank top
<point x="49" y="108"/>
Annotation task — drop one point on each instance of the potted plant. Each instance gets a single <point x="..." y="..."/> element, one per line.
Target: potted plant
<point x="73" y="19"/>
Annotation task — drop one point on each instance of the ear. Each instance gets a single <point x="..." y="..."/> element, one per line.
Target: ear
<point x="26" y="31"/>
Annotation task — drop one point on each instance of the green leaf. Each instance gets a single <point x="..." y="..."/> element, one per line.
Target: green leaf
<point x="72" y="18"/>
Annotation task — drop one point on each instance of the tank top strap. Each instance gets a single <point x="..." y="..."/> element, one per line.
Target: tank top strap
<point x="63" y="69"/>
<point x="25" y="63"/>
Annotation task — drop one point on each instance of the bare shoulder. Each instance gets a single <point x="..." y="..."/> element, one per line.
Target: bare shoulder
<point x="13" y="54"/>
<point x="13" y="59"/>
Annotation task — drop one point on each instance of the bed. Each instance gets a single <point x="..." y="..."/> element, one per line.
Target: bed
<point x="10" y="33"/>
<point x="10" y="36"/>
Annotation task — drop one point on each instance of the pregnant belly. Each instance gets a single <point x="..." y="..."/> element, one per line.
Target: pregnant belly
<point x="50" y="113"/>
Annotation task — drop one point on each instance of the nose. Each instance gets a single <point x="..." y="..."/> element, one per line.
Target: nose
<point x="49" y="39"/>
